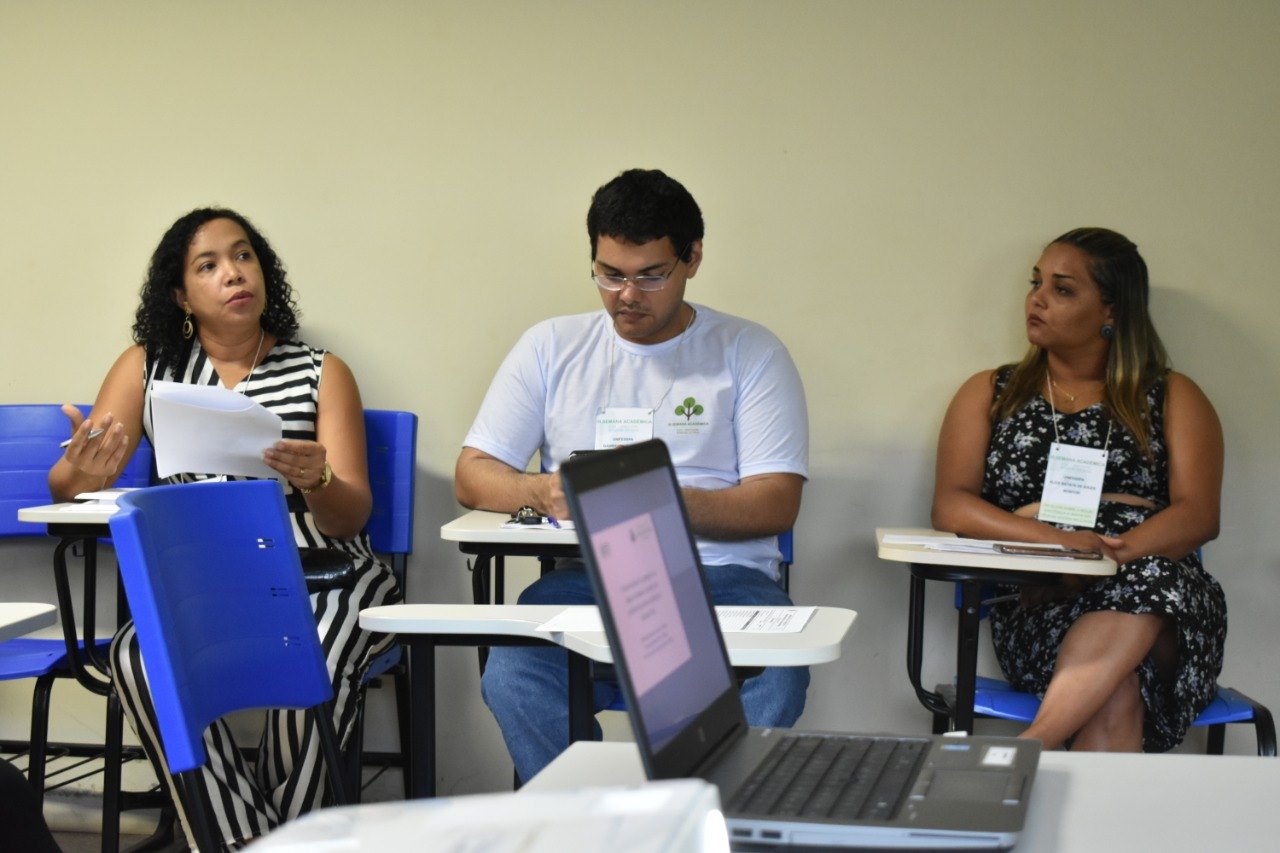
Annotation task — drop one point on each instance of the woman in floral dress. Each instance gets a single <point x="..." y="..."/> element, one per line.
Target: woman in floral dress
<point x="1122" y="663"/>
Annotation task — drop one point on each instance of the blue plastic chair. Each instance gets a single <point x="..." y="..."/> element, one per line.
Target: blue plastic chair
<point x="998" y="699"/>
<point x="223" y="618"/>
<point x="392" y="441"/>
<point x="787" y="546"/>
<point x="29" y="445"/>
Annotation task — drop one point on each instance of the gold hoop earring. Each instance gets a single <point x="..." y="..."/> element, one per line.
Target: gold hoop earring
<point x="188" y="328"/>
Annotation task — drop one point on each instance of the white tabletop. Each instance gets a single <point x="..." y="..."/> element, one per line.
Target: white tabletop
<point x="485" y="527"/>
<point x="71" y="512"/>
<point x="1009" y="562"/>
<point x="676" y="816"/>
<point x="819" y="642"/>
<point x="1086" y="802"/>
<point x="19" y="617"/>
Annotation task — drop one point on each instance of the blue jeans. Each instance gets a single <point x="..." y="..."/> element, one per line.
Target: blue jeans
<point x="526" y="687"/>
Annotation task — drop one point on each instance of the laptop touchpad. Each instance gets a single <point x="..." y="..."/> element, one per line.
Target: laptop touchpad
<point x="969" y="785"/>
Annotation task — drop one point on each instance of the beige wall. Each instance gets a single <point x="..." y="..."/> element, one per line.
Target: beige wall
<point x="877" y="179"/>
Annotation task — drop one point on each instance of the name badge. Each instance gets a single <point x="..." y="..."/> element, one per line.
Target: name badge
<point x="616" y="426"/>
<point x="1073" y="485"/>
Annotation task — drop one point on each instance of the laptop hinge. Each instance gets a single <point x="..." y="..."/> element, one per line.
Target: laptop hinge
<point x="735" y="734"/>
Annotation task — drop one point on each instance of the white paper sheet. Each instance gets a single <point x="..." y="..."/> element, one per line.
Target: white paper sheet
<point x="764" y="620"/>
<point x="95" y="507"/>
<point x="957" y="544"/>
<point x="106" y="495"/>
<point x="207" y="429"/>
<point x="740" y="619"/>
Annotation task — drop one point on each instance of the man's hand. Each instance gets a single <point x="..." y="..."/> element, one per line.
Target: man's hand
<point x="554" y="502"/>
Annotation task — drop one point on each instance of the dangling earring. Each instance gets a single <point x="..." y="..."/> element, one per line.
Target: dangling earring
<point x="1108" y="332"/>
<point x="188" y="328"/>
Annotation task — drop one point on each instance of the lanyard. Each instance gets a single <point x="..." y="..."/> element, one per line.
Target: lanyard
<point x="1073" y="479"/>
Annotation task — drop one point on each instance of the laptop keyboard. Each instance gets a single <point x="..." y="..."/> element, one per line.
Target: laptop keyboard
<point x="843" y="777"/>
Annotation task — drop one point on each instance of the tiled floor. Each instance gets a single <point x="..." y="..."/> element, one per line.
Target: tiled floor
<point x="74" y="811"/>
<point x="73" y="808"/>
<point x="91" y="842"/>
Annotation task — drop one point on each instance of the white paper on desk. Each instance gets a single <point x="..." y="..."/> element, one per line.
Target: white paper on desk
<point x="106" y="495"/>
<point x="740" y="620"/>
<point x="207" y="429"/>
<point x="957" y="544"/>
<point x="764" y="620"/>
<point x="103" y="507"/>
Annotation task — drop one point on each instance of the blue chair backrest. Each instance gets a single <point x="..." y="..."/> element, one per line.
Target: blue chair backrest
<point x="224" y="623"/>
<point x="392" y="439"/>
<point x="29" y="438"/>
<point x="787" y="545"/>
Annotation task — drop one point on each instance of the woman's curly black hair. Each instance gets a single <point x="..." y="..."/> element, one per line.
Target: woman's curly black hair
<point x="157" y="326"/>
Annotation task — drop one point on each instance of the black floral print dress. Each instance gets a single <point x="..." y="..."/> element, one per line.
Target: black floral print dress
<point x="1027" y="638"/>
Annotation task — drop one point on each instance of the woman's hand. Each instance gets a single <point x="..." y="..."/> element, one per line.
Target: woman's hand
<point x="1072" y="585"/>
<point x="1087" y="540"/>
<point x="95" y="457"/>
<point x="300" y="461"/>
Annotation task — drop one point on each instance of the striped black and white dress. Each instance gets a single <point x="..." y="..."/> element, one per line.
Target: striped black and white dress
<point x="287" y="778"/>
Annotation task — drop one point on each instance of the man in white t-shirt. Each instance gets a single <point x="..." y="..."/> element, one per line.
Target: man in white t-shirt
<point x="722" y="392"/>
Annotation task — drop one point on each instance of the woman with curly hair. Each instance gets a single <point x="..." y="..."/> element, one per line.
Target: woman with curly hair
<point x="1123" y="663"/>
<point x="217" y="309"/>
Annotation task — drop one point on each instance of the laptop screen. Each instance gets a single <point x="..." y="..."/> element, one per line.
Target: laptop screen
<point x="667" y="644"/>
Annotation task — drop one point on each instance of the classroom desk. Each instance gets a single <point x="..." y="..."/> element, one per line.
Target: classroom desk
<point x="71" y="523"/>
<point x="480" y="533"/>
<point x="971" y="571"/>
<point x="19" y="617"/>
<point x="84" y="523"/>
<point x="1080" y="802"/>
<point x="424" y="627"/>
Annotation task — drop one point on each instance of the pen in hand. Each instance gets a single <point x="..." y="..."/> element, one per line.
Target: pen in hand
<point x="93" y="433"/>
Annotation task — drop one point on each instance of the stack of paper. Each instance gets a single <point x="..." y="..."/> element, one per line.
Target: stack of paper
<point x="103" y="501"/>
<point x="956" y="544"/>
<point x="743" y="620"/>
<point x="207" y="429"/>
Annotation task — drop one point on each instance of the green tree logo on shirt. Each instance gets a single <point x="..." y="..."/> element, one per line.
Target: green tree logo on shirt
<point x="689" y="408"/>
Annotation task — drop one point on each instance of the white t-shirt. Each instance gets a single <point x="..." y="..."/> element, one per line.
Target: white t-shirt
<point x="741" y="405"/>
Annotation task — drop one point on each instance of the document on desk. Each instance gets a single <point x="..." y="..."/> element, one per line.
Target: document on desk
<point x="955" y="544"/>
<point x="208" y="429"/>
<point x="105" y="495"/>
<point x="738" y="619"/>
<point x="104" y="507"/>
<point x="764" y="620"/>
<point x="100" y="502"/>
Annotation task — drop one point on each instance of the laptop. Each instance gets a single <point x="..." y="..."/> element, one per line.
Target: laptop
<point x="874" y="790"/>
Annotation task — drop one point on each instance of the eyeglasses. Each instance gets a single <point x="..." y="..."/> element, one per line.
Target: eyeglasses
<point x="647" y="283"/>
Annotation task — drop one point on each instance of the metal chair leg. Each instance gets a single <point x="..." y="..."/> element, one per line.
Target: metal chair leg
<point x="1217" y="739"/>
<point x="39" y="735"/>
<point x="402" y="719"/>
<point x="111" y="776"/>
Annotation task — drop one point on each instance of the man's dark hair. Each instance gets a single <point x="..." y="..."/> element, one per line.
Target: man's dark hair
<point x="642" y="205"/>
